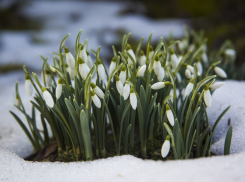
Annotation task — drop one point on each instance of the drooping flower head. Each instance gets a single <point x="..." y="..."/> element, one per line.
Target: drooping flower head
<point x="122" y="74"/>
<point x="97" y="90"/>
<point x="112" y="65"/>
<point x="207" y="96"/>
<point x="133" y="99"/>
<point x="165" y="147"/>
<point x="119" y="85"/>
<point x="83" y="68"/>
<point x="69" y="58"/>
<point x="170" y="115"/>
<point x="101" y="69"/>
<point x="47" y="97"/>
<point x="59" y="89"/>
<point x="28" y="85"/>
<point x="95" y="99"/>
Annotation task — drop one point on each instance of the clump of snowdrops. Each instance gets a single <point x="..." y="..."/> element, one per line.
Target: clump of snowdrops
<point x="151" y="103"/>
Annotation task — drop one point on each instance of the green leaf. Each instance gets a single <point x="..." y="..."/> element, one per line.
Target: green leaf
<point x="228" y="141"/>
<point x="86" y="135"/>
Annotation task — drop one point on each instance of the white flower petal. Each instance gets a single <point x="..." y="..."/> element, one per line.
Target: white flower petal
<point x="84" y="56"/>
<point x="89" y="61"/>
<point x="170" y="117"/>
<point x="119" y="86"/>
<point x="58" y="91"/>
<point x="220" y="72"/>
<point x="71" y="73"/>
<point x="207" y="98"/>
<point x="174" y="61"/>
<point x="141" y="71"/>
<point x="48" y="80"/>
<point x="158" y="85"/>
<point x="157" y="67"/>
<point x="130" y="51"/>
<point x="96" y="101"/>
<point x="101" y="71"/>
<point x="217" y="85"/>
<point x="165" y="148"/>
<point x="112" y="67"/>
<point x="189" y="67"/>
<point x="199" y="68"/>
<point x="188" y="89"/>
<point x="99" y="92"/>
<point x="161" y="75"/>
<point x="48" y="99"/>
<point x="133" y="100"/>
<point x="142" y="60"/>
<point x="126" y="91"/>
<point x="187" y="74"/>
<point x="28" y="87"/>
<point x="70" y="60"/>
<point x="83" y="70"/>
<point x="122" y="76"/>
<point x="204" y="58"/>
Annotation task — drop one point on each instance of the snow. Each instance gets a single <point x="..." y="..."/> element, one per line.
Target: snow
<point x="13" y="142"/>
<point x="99" y="21"/>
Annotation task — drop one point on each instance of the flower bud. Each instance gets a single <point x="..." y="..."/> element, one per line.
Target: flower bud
<point x="151" y="52"/>
<point x="112" y="65"/>
<point x="142" y="58"/>
<point x="141" y="71"/>
<point x="83" y="68"/>
<point x="101" y="70"/>
<point x="217" y="85"/>
<point x="165" y="147"/>
<point x="28" y="85"/>
<point x="130" y="51"/>
<point x="89" y="60"/>
<point x="188" y="74"/>
<point x="119" y="85"/>
<point x="174" y="59"/>
<point x="69" y="58"/>
<point x="47" y="97"/>
<point x="122" y="74"/>
<point x="59" y="89"/>
<point x="189" y="88"/>
<point x="126" y="91"/>
<point x="97" y="90"/>
<point x="95" y="99"/>
<point x="133" y="99"/>
<point x="170" y="115"/>
<point x="48" y="78"/>
<point x="83" y="54"/>
<point x="207" y="96"/>
<point x="220" y="72"/>
<point x="159" y="85"/>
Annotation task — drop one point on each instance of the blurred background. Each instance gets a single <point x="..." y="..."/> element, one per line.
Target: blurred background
<point x="29" y="28"/>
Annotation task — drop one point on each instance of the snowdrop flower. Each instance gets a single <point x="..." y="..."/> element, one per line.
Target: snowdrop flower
<point x="187" y="74"/>
<point x="17" y="101"/>
<point x="178" y="76"/>
<point x="150" y="53"/>
<point x="189" y="67"/>
<point x="182" y="44"/>
<point x="83" y="68"/>
<point x="217" y="85"/>
<point x="170" y="115"/>
<point x="52" y="69"/>
<point x="89" y="60"/>
<point x="199" y="67"/>
<point x="141" y="71"/>
<point x="95" y="99"/>
<point x="157" y="66"/>
<point x="28" y="85"/>
<point x="191" y="47"/>
<point x="59" y="89"/>
<point x="69" y="58"/>
<point x="112" y="65"/>
<point x="126" y="91"/>
<point x="130" y="51"/>
<point x="160" y="85"/>
<point x="97" y="90"/>
<point x="220" y="72"/>
<point x="204" y="58"/>
<point x="101" y="70"/>
<point x="122" y="74"/>
<point x="174" y="59"/>
<point x="71" y="73"/>
<point x="207" y="96"/>
<point x="83" y="54"/>
<point x="165" y="147"/>
<point x="189" y="88"/>
<point x="48" y="78"/>
<point x="47" y="97"/>
<point x="230" y="53"/>
<point x="119" y="85"/>
<point x="161" y="75"/>
<point x="142" y="58"/>
<point x="133" y="99"/>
